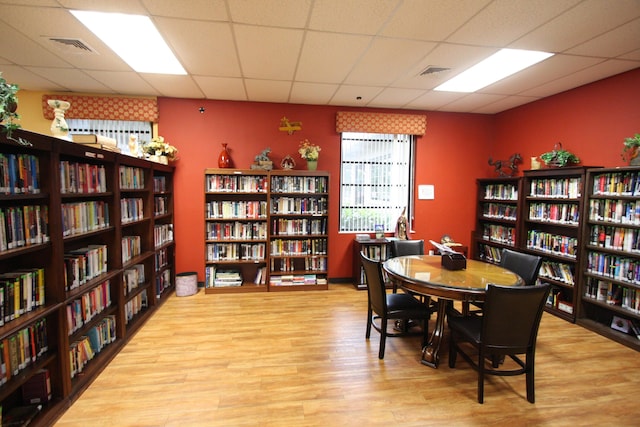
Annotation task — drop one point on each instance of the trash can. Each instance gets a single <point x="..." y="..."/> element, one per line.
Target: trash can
<point x="186" y="284"/>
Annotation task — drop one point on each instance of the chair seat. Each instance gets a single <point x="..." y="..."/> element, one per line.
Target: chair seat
<point x="405" y="306"/>
<point x="468" y="326"/>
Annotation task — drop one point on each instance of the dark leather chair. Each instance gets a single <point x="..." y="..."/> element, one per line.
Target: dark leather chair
<point x="508" y="327"/>
<point x="526" y="266"/>
<point x="383" y="307"/>
<point x="405" y="247"/>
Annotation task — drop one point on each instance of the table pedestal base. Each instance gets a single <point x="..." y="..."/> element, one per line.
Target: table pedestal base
<point x="431" y="351"/>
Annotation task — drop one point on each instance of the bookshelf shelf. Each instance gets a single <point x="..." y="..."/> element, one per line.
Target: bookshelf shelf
<point x="69" y="240"/>
<point x="611" y="254"/>
<point x="378" y="249"/>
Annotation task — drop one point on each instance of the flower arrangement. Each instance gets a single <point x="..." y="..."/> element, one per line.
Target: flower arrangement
<point x="308" y="151"/>
<point x="631" y="146"/>
<point x="8" y="105"/>
<point x="158" y="147"/>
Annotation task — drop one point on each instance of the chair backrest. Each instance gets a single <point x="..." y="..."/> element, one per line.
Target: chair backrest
<point x="375" y="284"/>
<point x="511" y="317"/>
<point x="524" y="265"/>
<point x="407" y="247"/>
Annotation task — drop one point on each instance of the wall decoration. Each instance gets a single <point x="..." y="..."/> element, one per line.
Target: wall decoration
<point x="289" y="126"/>
<point x="288" y="162"/>
<point x="262" y="160"/>
<point x="506" y="167"/>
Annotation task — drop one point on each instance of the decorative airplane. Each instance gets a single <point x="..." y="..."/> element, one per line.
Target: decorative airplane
<point x="289" y="127"/>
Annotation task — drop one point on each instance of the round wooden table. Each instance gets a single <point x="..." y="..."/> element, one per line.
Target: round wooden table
<point x="425" y="275"/>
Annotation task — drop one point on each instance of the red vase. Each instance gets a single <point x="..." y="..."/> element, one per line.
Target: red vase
<point x="224" y="161"/>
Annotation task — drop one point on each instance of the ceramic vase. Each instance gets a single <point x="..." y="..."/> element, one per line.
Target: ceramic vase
<point x="224" y="161"/>
<point x="312" y="165"/>
<point x="59" y="127"/>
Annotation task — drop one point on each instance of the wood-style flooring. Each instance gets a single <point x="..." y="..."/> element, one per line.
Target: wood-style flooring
<point x="301" y="359"/>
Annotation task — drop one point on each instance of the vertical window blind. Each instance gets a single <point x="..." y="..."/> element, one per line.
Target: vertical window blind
<point x="120" y="130"/>
<point x="376" y="180"/>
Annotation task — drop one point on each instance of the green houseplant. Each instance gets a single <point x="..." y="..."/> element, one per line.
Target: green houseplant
<point x="559" y="157"/>
<point x="630" y="149"/>
<point x="8" y="105"/>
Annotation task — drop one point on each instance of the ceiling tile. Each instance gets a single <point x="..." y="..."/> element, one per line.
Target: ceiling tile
<point x="348" y="95"/>
<point x="126" y="82"/>
<point x="210" y="10"/>
<point x="337" y="15"/>
<point x="267" y="90"/>
<point x="396" y="98"/>
<point x="222" y="88"/>
<point x="312" y="93"/>
<point x="173" y="86"/>
<point x="68" y="77"/>
<point x="276" y="13"/>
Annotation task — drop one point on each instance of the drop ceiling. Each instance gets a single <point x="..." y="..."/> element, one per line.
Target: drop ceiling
<point x="365" y="53"/>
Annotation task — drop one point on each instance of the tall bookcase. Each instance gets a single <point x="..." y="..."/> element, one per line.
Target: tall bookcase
<point x="551" y="207"/>
<point x="298" y="233"/>
<point x="236" y="235"/>
<point x="71" y="295"/>
<point x="497" y="211"/>
<point x="611" y="245"/>
<point x="265" y="230"/>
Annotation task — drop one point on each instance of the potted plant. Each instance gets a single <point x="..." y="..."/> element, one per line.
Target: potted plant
<point x="559" y="157"/>
<point x="630" y="149"/>
<point x="310" y="152"/>
<point x="8" y="105"/>
<point x="160" y="151"/>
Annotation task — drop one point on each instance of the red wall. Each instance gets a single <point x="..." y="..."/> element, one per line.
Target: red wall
<point x="591" y="121"/>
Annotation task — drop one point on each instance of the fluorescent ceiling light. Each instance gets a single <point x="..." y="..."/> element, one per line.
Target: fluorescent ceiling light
<point x="501" y="64"/>
<point x="134" y="38"/>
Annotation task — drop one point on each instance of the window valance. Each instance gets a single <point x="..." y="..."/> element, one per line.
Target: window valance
<point x="105" y="108"/>
<point x="410" y="124"/>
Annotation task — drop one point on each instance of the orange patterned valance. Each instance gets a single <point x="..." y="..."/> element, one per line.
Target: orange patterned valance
<point x="105" y="108"/>
<point x="410" y="124"/>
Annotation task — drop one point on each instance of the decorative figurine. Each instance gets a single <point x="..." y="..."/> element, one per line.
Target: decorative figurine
<point x="401" y="226"/>
<point x="507" y="167"/>
<point x="288" y="162"/>
<point x="262" y="160"/>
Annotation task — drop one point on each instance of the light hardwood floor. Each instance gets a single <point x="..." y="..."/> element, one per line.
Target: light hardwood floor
<point x="301" y="359"/>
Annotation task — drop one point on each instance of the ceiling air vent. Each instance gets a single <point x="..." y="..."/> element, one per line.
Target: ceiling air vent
<point x="71" y="45"/>
<point x="430" y="70"/>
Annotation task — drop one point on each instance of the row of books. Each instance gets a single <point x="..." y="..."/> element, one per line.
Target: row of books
<point x="501" y="192"/>
<point x="617" y="238"/>
<point x="162" y="233"/>
<point x="131" y="247"/>
<point x="299" y="205"/>
<point x="298" y="226"/>
<point x="160" y="184"/>
<point x="84" y="264"/>
<point x="21" y="291"/>
<point x="376" y="252"/>
<point x="617" y="184"/>
<point x="561" y="213"/>
<point x="299" y="184"/>
<point x="557" y="300"/>
<point x="133" y="277"/>
<point x="249" y="209"/>
<point x="556" y="187"/>
<point x="23" y="226"/>
<point x="82" y="178"/>
<point x="296" y="279"/>
<point x="282" y="247"/>
<point x="214" y="277"/>
<point x="21" y="349"/>
<point x="235" y="251"/>
<point x="84" y="217"/>
<point x="555" y="244"/>
<point x="81" y="310"/>
<point x="163" y="282"/>
<point x="490" y="254"/>
<point x="131" y="209"/>
<point x="131" y="178"/>
<point x="499" y="233"/>
<point x="618" y="211"/>
<point x="499" y="211"/>
<point x="161" y="258"/>
<point x="19" y="174"/>
<point x="299" y="264"/>
<point x="614" y="266"/>
<point x="261" y="276"/>
<point x="160" y="205"/>
<point x="557" y="271"/>
<point x="236" y="230"/>
<point x="236" y="183"/>
<point x="135" y="305"/>
<point x="86" y="347"/>
<point x="611" y="293"/>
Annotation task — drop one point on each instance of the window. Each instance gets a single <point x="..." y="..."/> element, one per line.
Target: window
<point x="118" y="129"/>
<point x="376" y="180"/>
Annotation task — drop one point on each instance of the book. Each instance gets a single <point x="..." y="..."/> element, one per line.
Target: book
<point x="37" y="389"/>
<point x="90" y="138"/>
<point x="20" y="415"/>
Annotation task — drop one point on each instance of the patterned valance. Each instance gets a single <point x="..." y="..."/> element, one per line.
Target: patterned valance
<point x="105" y="108"/>
<point x="410" y="124"/>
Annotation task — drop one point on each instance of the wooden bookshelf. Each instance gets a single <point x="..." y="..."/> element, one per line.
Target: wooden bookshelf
<point x="63" y="221"/>
<point x="611" y="253"/>
<point x="497" y="214"/>
<point x="378" y="249"/>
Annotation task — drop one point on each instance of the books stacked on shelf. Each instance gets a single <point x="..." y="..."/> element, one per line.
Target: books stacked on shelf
<point x="133" y="277"/>
<point x="37" y="389"/>
<point x="617" y="184"/>
<point x="225" y="278"/>
<point x="162" y="233"/>
<point x="21" y="349"/>
<point x="557" y="271"/>
<point x="21" y="291"/>
<point x="556" y="188"/>
<point x="261" y="276"/>
<point x="80" y="311"/>
<point x="131" y="178"/>
<point x="23" y="226"/>
<point x="135" y="305"/>
<point x="84" y="264"/>
<point x="163" y="282"/>
<point x="86" y="347"/>
<point x="82" y="178"/>
<point x="131" y="247"/>
<point x="96" y="141"/>
<point x="557" y="300"/>
<point x="19" y="174"/>
<point x="84" y="217"/>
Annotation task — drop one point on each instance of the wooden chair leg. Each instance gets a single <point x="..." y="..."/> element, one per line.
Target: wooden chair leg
<point x="383" y="337"/>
